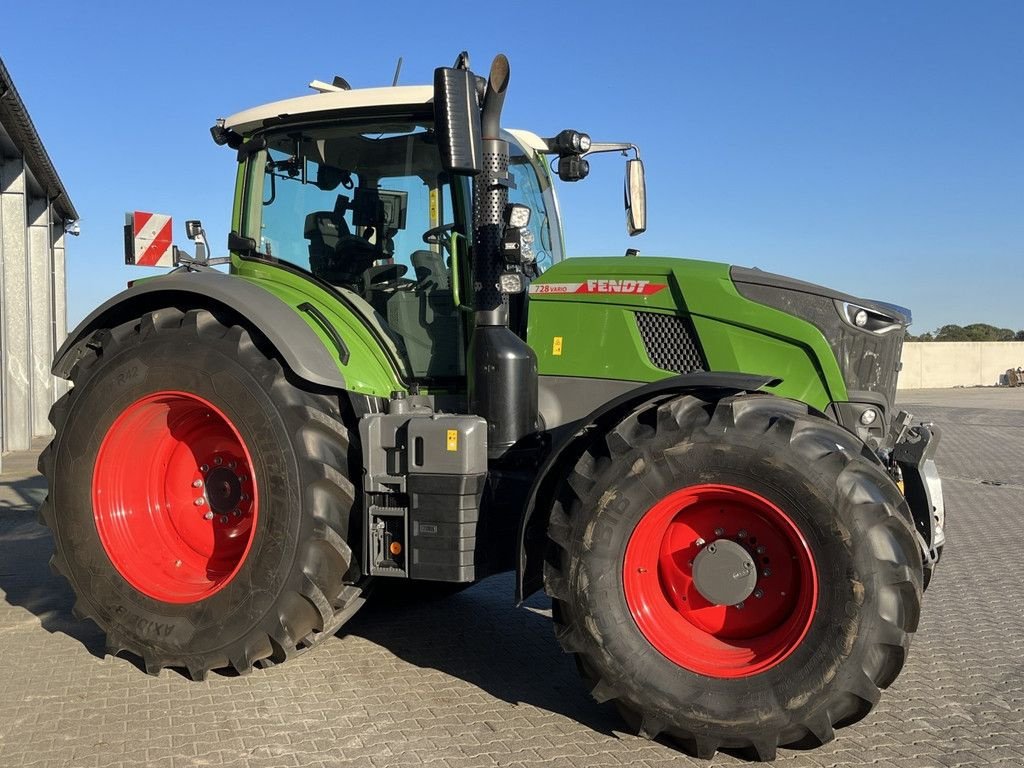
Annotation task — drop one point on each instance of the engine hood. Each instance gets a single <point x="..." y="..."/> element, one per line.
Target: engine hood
<point x="747" y="276"/>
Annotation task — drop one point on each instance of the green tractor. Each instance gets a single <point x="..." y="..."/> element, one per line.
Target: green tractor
<point x="402" y="382"/>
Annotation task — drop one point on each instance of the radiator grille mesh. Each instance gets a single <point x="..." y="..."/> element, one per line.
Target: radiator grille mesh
<point x="671" y="342"/>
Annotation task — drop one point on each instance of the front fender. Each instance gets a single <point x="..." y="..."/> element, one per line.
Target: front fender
<point x="530" y="540"/>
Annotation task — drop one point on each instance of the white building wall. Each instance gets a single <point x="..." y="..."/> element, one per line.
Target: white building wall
<point x="40" y="310"/>
<point x="940" y="364"/>
<point x="15" y="358"/>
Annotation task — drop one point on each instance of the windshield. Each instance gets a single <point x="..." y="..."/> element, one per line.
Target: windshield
<point x="352" y="204"/>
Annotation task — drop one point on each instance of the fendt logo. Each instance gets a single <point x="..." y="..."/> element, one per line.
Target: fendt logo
<point x="645" y="287"/>
<point x="635" y="287"/>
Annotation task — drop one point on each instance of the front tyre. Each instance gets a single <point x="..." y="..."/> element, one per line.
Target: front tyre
<point x="200" y="502"/>
<point x="733" y="574"/>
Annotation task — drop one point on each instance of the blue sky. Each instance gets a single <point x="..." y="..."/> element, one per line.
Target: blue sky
<point x="876" y="147"/>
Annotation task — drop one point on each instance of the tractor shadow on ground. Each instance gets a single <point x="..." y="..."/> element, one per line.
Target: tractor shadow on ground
<point x="25" y="577"/>
<point x="478" y="636"/>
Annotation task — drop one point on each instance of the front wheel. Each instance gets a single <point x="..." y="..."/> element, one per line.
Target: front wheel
<point x="200" y="502"/>
<point x="733" y="574"/>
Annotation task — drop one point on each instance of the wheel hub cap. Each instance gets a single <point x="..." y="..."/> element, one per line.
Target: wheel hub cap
<point x="223" y="490"/>
<point x="724" y="573"/>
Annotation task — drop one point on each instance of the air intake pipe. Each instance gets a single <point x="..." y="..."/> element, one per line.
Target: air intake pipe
<point x="503" y="368"/>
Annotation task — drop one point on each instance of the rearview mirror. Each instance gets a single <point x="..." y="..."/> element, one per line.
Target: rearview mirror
<point x="457" y="117"/>
<point x="636" y="197"/>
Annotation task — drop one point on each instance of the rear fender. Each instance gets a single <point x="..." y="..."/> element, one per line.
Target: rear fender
<point x="303" y="336"/>
<point x="531" y="539"/>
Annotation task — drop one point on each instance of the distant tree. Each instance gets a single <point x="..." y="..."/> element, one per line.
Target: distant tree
<point x="973" y="332"/>
<point x="986" y="332"/>
<point x="951" y="333"/>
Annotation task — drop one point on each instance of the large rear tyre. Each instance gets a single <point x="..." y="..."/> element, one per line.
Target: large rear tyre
<point x="733" y="574"/>
<point x="200" y="502"/>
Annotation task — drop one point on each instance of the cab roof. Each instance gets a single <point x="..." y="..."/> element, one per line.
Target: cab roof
<point x="331" y="101"/>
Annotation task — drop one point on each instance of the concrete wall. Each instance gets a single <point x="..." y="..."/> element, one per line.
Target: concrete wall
<point x="938" y="364"/>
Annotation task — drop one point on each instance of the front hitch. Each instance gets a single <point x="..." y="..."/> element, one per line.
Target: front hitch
<point x="914" y="453"/>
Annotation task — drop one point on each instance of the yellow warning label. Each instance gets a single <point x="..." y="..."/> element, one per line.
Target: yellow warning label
<point x="433" y="207"/>
<point x="453" y="439"/>
<point x="556" y="346"/>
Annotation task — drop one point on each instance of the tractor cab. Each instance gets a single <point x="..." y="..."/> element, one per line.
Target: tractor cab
<point x="366" y="206"/>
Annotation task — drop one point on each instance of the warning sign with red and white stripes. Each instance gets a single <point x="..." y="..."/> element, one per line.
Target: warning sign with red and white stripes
<point x="148" y="240"/>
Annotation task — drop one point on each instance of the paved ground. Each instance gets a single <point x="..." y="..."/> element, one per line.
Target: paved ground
<point x="475" y="682"/>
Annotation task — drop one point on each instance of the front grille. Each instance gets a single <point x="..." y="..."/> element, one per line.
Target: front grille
<point x="671" y="342"/>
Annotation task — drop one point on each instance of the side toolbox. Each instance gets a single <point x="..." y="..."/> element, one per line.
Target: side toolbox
<point x="423" y="479"/>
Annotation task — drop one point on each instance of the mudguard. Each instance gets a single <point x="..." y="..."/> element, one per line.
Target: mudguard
<point x="301" y="349"/>
<point x="528" y="572"/>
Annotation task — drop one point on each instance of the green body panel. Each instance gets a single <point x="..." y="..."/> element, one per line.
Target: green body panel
<point x="369" y="370"/>
<point x="600" y="338"/>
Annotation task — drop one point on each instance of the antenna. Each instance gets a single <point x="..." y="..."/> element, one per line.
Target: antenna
<point x="398" y="71"/>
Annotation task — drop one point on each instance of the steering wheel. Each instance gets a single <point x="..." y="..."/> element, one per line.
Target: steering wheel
<point x="433" y="236"/>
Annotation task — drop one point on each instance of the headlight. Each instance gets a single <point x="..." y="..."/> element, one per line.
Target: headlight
<point x="866" y="319"/>
<point x="511" y="282"/>
<point x="517" y="215"/>
<point x="570" y="141"/>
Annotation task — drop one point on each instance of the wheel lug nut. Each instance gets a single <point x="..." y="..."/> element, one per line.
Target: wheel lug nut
<point x="237" y="512"/>
<point x="760" y="550"/>
<point x="719" y="531"/>
<point x="205" y="468"/>
<point x="766" y="572"/>
<point x="243" y="479"/>
<point x="742" y="534"/>
<point x="244" y="497"/>
<point x="739" y="606"/>
<point x="758" y="594"/>
<point x="199" y="502"/>
<point x="218" y="460"/>
<point x="224" y="518"/>
<point x="231" y="465"/>
<point x="197" y="483"/>
<point x="699" y="543"/>
<point x="208" y="516"/>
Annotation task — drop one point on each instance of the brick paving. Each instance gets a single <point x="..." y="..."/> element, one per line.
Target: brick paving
<point x="471" y="681"/>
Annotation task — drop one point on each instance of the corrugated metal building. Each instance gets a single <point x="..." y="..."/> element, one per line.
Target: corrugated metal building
<point x="35" y="212"/>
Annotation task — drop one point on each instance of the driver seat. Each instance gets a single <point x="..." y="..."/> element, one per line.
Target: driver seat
<point x="323" y="229"/>
<point x="430" y="269"/>
<point x="335" y="254"/>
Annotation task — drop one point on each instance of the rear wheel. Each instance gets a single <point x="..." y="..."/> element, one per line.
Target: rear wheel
<point x="200" y="502"/>
<point x="733" y="574"/>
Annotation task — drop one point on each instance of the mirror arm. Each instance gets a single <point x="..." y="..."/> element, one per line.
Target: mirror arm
<point x="613" y="147"/>
<point x="597" y="147"/>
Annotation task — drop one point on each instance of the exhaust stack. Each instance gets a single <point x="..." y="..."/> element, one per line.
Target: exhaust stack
<point x="503" y="369"/>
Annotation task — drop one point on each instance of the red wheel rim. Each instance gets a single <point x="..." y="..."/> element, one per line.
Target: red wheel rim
<point x="174" y="498"/>
<point x="725" y="641"/>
